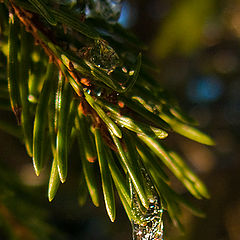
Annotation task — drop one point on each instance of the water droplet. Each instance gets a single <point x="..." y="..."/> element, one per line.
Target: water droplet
<point x="103" y="56"/>
<point x="32" y="98"/>
<point x="149" y="223"/>
<point x="98" y="92"/>
<point x="155" y="111"/>
<point x="124" y="69"/>
<point x="131" y="72"/>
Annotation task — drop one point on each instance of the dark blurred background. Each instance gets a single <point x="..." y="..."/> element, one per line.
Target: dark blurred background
<point x="196" y="44"/>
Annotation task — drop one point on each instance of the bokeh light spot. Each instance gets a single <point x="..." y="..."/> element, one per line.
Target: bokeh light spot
<point x="128" y="15"/>
<point x="204" y="89"/>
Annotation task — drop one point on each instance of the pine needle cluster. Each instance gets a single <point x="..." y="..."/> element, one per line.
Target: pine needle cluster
<point x="76" y="81"/>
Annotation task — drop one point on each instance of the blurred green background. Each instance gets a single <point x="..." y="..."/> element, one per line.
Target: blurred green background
<point x="196" y="46"/>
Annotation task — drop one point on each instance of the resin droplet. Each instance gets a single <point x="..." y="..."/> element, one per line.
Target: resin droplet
<point x="149" y="223"/>
<point x="103" y="56"/>
<point x="109" y="10"/>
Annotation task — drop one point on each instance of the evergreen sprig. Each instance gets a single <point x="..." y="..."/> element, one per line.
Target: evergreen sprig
<point x="87" y="82"/>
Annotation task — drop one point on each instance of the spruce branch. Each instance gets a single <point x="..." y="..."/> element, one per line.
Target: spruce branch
<point x="93" y="88"/>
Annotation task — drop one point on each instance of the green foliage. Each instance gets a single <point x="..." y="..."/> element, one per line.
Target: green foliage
<point x="81" y="80"/>
<point x="183" y="29"/>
